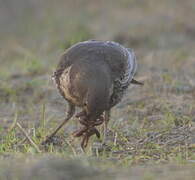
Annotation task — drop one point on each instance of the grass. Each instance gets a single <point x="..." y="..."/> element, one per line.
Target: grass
<point x="151" y="132"/>
<point x="170" y="143"/>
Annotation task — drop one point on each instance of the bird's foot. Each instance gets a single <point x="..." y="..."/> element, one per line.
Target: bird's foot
<point x="90" y="132"/>
<point x="88" y="128"/>
<point x="48" y="140"/>
<point x="86" y="132"/>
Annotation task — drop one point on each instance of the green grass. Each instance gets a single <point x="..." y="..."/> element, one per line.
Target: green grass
<point x="151" y="132"/>
<point x="170" y="143"/>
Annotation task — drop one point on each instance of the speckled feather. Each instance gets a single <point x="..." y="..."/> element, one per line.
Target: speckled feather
<point x="121" y="61"/>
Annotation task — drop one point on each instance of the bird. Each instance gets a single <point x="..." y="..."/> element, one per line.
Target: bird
<point x="94" y="76"/>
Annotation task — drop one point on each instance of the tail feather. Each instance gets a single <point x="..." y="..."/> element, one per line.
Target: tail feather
<point x="133" y="81"/>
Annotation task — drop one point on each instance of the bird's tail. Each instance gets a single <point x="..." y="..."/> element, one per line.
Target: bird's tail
<point x="133" y="81"/>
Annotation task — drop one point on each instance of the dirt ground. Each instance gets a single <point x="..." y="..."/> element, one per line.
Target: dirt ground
<point x="152" y="131"/>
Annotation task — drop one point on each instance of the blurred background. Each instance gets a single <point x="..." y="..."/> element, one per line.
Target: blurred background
<point x="34" y="33"/>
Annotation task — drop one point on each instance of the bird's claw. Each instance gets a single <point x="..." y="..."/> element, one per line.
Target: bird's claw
<point x="89" y="128"/>
<point x="48" y="140"/>
<point x="87" y="135"/>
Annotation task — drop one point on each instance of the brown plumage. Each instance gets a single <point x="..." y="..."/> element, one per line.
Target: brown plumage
<point x="93" y="75"/>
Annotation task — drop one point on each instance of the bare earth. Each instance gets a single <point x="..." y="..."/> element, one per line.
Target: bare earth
<point x="152" y="131"/>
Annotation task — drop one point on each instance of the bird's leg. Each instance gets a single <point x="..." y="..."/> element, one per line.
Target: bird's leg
<point x="70" y="113"/>
<point x="81" y="114"/>
<point x="87" y="135"/>
<point x="83" y="121"/>
<point x="91" y="125"/>
<point x="91" y="130"/>
<point x="80" y="132"/>
<point x="88" y="128"/>
<point x="84" y="141"/>
<point x="106" y="120"/>
<point x="96" y="132"/>
<point x="99" y="121"/>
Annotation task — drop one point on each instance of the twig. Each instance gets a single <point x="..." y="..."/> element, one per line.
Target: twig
<point x="71" y="146"/>
<point x="29" y="139"/>
<point x="14" y="123"/>
<point x="22" y="141"/>
<point x="115" y="138"/>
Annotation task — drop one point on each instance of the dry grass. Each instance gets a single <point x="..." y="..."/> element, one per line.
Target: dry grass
<point x="154" y="124"/>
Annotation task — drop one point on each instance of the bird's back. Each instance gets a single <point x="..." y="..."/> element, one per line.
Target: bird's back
<point x="113" y="53"/>
<point x="119" y="60"/>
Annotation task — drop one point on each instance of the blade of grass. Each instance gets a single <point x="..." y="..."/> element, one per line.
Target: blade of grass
<point x="29" y="139"/>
